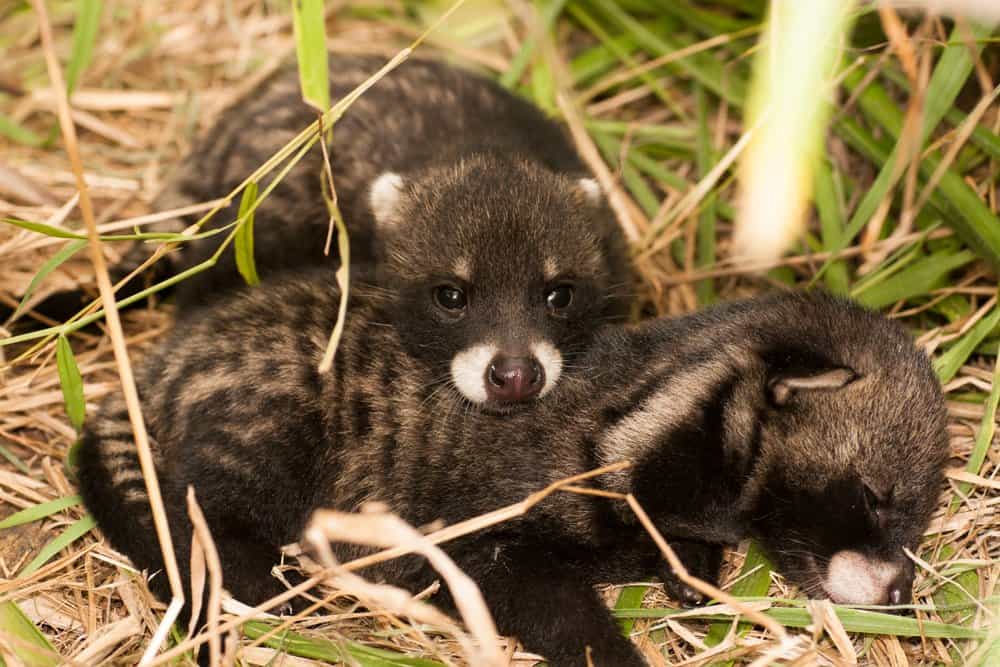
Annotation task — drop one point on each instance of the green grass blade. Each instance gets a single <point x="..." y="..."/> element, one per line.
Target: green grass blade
<point x="984" y="437"/>
<point x="71" y="383"/>
<point x="853" y="620"/>
<point x="552" y="10"/>
<point x="42" y="228"/>
<point x="68" y="251"/>
<point x="75" y="531"/>
<point x="332" y="652"/>
<point x="243" y="243"/>
<point x="16" y="132"/>
<point x="705" y="240"/>
<point x="88" y="20"/>
<point x="32" y="649"/>
<point x="39" y="511"/>
<point x="624" y="55"/>
<point x="948" y="364"/>
<point x="14" y="460"/>
<point x="310" y="49"/>
<point x="916" y="279"/>
<point x="831" y="217"/>
<point x="703" y="68"/>
<point x="755" y="579"/>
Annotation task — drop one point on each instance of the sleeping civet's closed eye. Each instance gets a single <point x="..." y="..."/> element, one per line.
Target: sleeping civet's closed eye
<point x="450" y="298"/>
<point x="559" y="298"/>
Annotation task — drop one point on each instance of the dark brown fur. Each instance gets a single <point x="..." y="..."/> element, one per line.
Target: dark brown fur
<point x="725" y="445"/>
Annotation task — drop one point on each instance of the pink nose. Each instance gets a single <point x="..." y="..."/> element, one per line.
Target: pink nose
<point x="512" y="379"/>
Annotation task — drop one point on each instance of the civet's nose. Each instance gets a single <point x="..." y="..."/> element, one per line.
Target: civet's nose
<point x="512" y="379"/>
<point x="900" y="589"/>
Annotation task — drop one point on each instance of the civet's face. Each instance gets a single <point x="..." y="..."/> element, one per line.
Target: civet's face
<point x="497" y="285"/>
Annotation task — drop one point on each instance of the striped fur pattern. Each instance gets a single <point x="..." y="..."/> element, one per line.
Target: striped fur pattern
<point x="473" y="188"/>
<point x="729" y="417"/>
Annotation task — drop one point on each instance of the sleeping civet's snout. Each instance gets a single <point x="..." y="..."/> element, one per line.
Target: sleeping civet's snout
<point x="505" y="375"/>
<point x="854" y="578"/>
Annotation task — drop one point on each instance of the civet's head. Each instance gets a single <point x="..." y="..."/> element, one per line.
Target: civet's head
<point x="852" y="449"/>
<point x="499" y="271"/>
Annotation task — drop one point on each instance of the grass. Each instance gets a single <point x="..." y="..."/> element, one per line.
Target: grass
<point x="904" y="219"/>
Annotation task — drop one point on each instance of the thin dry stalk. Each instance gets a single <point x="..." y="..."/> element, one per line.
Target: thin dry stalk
<point x="114" y="326"/>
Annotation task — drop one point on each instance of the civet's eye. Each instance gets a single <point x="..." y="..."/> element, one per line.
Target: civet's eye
<point x="450" y="298"/>
<point x="559" y="298"/>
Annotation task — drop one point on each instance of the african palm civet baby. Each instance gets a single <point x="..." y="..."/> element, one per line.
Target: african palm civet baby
<point x="461" y="192"/>
<point x="804" y="421"/>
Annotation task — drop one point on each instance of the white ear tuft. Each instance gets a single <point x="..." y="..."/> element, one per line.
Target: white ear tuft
<point x="384" y="196"/>
<point x="591" y="190"/>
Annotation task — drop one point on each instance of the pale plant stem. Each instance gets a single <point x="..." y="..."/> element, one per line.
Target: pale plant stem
<point x="115" y="332"/>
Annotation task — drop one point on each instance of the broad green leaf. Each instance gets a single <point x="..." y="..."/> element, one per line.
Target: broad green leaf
<point x="243" y="245"/>
<point x="755" y="580"/>
<point x="966" y="587"/>
<point x="629" y="598"/>
<point x="68" y="251"/>
<point x="310" y="49"/>
<point x="71" y="383"/>
<point x="75" y="531"/>
<point x="31" y="647"/>
<point x="88" y="20"/>
<point x="39" y="511"/>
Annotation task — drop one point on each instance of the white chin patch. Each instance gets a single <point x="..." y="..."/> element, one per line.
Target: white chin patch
<point x="550" y="359"/>
<point x="468" y="371"/>
<point x="854" y="579"/>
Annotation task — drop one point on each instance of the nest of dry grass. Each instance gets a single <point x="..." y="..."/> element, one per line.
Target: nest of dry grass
<point x="158" y="78"/>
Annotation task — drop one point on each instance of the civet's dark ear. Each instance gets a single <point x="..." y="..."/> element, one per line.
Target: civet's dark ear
<point x="784" y="387"/>
<point x="384" y="196"/>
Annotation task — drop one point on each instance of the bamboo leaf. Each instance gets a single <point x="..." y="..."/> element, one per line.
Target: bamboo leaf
<point x="310" y="49"/>
<point x="75" y="531"/>
<point x="88" y="19"/>
<point x="32" y="649"/>
<point x="243" y="244"/>
<point x="71" y="383"/>
<point x="68" y="251"/>
<point x="40" y="511"/>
